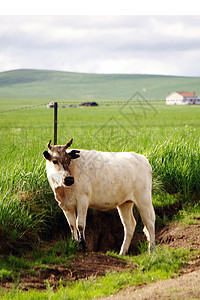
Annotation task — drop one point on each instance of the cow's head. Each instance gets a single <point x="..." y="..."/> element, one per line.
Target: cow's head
<point x="60" y="160"/>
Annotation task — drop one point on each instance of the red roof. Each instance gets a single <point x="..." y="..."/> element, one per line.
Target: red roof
<point x="187" y="94"/>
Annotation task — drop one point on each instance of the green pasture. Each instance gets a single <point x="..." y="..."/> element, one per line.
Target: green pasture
<point x="167" y="135"/>
<point x="31" y="85"/>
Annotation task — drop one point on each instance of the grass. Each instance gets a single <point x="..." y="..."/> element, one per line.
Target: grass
<point x="188" y="215"/>
<point x="177" y="162"/>
<point x="60" y="253"/>
<point x="163" y="263"/>
<point x="12" y="266"/>
<point x="168" y="136"/>
<point x="39" y="84"/>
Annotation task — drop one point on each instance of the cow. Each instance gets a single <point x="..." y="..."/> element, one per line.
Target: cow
<point x="82" y="179"/>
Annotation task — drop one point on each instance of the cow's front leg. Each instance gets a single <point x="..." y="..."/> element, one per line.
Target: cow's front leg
<point x="71" y="219"/>
<point x="80" y="224"/>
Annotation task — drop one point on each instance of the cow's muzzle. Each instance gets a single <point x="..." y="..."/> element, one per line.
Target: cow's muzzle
<point x="69" y="180"/>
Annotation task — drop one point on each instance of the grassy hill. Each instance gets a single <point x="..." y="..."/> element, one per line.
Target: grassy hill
<point x="40" y="84"/>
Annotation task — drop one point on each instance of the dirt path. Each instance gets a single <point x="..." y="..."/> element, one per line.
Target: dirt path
<point x="187" y="285"/>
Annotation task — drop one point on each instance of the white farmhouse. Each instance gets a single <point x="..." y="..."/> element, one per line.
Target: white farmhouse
<point x="182" y="98"/>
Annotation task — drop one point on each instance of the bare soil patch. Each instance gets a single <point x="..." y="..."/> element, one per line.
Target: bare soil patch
<point x="84" y="266"/>
<point x="180" y="236"/>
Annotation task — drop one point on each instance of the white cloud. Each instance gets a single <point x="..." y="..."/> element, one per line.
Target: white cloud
<point x="8" y="63"/>
<point x="105" y="44"/>
<point x="129" y="66"/>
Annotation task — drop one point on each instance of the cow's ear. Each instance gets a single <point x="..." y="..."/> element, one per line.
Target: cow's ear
<point x="74" y="154"/>
<point x="47" y="155"/>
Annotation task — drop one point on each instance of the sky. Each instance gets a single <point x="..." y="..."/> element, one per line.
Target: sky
<point x="129" y="44"/>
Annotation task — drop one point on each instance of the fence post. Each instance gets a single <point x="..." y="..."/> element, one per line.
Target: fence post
<point x="55" y="121"/>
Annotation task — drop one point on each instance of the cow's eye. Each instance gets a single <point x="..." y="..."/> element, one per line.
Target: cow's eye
<point x="55" y="162"/>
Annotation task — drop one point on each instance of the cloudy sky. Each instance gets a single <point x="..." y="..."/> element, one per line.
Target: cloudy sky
<point x="167" y="45"/>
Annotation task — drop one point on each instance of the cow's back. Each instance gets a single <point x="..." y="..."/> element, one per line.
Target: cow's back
<point x="108" y="178"/>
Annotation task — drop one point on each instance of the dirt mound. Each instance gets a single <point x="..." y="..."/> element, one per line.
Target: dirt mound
<point x="18" y="246"/>
<point x="180" y="236"/>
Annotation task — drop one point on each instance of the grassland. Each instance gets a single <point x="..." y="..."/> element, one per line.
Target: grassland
<point x="168" y="136"/>
<point x="30" y="85"/>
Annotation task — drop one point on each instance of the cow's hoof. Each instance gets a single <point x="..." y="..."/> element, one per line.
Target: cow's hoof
<point x="82" y="246"/>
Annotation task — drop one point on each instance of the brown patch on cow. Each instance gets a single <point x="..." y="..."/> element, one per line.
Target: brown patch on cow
<point x="58" y="153"/>
<point x="65" y="197"/>
<point x="60" y="193"/>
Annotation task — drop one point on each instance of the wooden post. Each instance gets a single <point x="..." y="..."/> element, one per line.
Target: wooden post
<point x="55" y="121"/>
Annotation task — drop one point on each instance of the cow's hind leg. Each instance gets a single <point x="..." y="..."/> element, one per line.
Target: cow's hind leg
<point x="126" y="214"/>
<point x="148" y="218"/>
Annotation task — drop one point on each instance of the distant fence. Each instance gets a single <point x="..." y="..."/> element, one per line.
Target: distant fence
<point x="132" y="113"/>
<point x="72" y="103"/>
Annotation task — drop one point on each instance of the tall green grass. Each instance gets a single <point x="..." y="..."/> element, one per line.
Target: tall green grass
<point x="177" y="163"/>
<point x="26" y="205"/>
<point x="168" y="136"/>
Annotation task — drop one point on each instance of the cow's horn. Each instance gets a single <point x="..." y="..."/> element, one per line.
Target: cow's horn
<point x="68" y="144"/>
<point x="48" y="145"/>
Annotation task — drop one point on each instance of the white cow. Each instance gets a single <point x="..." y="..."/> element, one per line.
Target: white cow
<point x="101" y="180"/>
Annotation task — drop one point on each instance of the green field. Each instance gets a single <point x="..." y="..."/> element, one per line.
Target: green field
<point x="27" y="86"/>
<point x="167" y="135"/>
